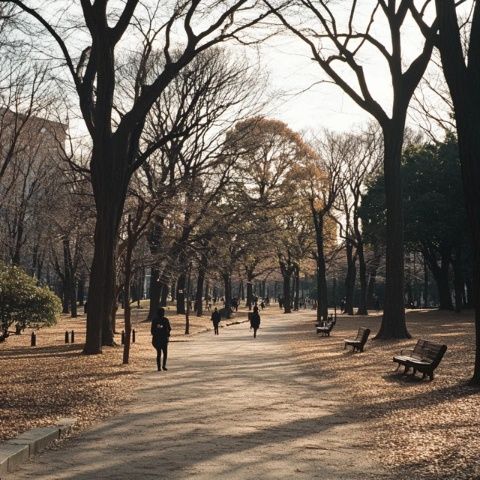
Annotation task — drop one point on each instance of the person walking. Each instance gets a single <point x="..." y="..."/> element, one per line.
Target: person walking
<point x="216" y="317"/>
<point x="160" y="335"/>
<point x="255" y="321"/>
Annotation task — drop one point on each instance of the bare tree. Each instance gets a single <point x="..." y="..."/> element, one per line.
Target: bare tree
<point x="339" y="40"/>
<point x="458" y="43"/>
<point x="115" y="140"/>
<point x="360" y="162"/>
<point x="321" y="179"/>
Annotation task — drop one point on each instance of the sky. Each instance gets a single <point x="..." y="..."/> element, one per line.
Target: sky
<point x="302" y="97"/>
<point x="306" y="101"/>
<point x="323" y="104"/>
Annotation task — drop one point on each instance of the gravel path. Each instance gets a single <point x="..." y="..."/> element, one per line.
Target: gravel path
<point x="229" y="407"/>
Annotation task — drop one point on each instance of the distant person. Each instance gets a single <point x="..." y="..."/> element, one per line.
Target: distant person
<point x="280" y="302"/>
<point x="343" y="305"/>
<point x="262" y="305"/>
<point x="235" y="304"/>
<point x="255" y="321"/>
<point x="377" y="304"/>
<point x="160" y="335"/>
<point x="216" y="317"/>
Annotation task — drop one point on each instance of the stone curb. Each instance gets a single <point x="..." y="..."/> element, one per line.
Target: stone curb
<point x="16" y="451"/>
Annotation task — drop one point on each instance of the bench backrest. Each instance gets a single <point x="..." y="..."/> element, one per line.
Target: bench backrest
<point x="432" y="352"/>
<point x="362" y="335"/>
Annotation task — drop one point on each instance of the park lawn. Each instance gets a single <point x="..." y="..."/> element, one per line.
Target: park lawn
<point x="39" y="385"/>
<point x="420" y="429"/>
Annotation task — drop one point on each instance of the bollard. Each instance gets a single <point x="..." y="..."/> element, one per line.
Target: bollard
<point x="133" y="336"/>
<point x="123" y="337"/>
<point x="72" y="337"/>
<point x="66" y="336"/>
<point x="33" y="341"/>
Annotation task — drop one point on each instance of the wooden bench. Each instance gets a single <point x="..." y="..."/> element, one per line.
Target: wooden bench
<point x="359" y="341"/>
<point x="424" y="358"/>
<point x="324" y="328"/>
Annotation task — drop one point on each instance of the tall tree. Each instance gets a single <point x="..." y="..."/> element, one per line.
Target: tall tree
<point x="459" y="44"/>
<point x="115" y="140"/>
<point x="339" y="39"/>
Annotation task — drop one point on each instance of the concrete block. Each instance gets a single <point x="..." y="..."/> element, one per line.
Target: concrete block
<point x="12" y="456"/>
<point x="37" y="439"/>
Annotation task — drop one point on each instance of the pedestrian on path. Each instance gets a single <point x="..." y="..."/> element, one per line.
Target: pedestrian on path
<point x="216" y="317"/>
<point x="255" y="321"/>
<point x="160" y="335"/>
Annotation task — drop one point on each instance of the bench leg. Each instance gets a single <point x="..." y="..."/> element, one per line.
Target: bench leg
<point x="398" y="366"/>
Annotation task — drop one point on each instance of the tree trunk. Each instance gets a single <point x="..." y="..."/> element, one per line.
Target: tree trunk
<point x="164" y="295"/>
<point x="350" y="278"/>
<point x="181" y="282"/>
<point x="464" y="88"/>
<point x="362" y="302"/>
<point x="126" y="291"/>
<point x="441" y="275"/>
<point x="81" y="290"/>
<point x="154" y="292"/>
<point x="249" y="291"/>
<point x="322" y="292"/>
<point x="459" y="281"/>
<point x="200" y="281"/>
<point x="227" y="282"/>
<point x="297" y="288"/>
<point x="425" y="283"/>
<point x="393" y="320"/>
<point x="372" y="276"/>
<point x="187" y="298"/>
<point x="287" y="302"/>
<point x="73" y="298"/>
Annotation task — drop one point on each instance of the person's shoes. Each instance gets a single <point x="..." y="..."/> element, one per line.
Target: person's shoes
<point x="164" y="368"/>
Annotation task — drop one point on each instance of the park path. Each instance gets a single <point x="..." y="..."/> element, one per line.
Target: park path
<point x="229" y="407"/>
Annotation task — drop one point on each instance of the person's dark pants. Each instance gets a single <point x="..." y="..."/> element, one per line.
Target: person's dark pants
<point x="162" y="349"/>
<point x="255" y="332"/>
<point x="215" y="328"/>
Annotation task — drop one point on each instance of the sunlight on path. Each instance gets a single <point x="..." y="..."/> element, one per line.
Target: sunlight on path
<point x="229" y="407"/>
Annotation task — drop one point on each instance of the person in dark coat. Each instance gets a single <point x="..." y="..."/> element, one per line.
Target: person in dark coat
<point x="160" y="335"/>
<point x="255" y="321"/>
<point x="216" y="317"/>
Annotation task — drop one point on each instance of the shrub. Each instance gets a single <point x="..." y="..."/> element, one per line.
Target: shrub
<point x="23" y="302"/>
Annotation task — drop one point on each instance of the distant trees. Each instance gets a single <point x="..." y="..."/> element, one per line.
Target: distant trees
<point x="339" y="40"/>
<point x="267" y="151"/>
<point x="435" y="216"/>
<point x="115" y="139"/>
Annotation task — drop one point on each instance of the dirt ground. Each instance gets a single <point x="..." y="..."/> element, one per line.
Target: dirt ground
<point x="420" y="429"/>
<point x="39" y="385"/>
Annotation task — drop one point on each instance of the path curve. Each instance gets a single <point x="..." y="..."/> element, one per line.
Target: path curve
<point x="229" y="407"/>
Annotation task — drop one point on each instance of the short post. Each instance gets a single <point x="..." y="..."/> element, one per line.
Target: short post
<point x="66" y="336"/>
<point x="133" y="336"/>
<point x="33" y="341"/>
<point x="72" y="338"/>
<point x="123" y="337"/>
